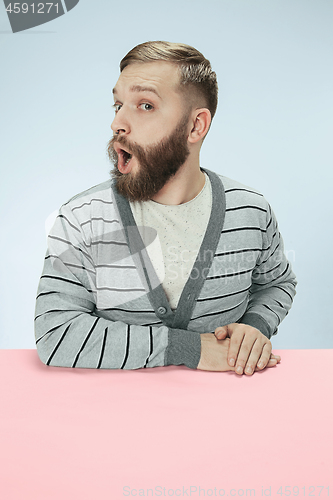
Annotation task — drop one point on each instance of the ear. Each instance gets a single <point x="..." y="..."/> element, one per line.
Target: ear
<point x="200" y="125"/>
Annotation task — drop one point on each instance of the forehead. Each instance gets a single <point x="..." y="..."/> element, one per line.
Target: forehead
<point x="161" y="76"/>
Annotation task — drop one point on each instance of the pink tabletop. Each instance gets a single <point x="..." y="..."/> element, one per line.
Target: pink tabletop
<point x="166" y="432"/>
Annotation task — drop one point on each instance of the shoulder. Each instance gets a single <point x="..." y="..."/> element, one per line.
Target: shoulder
<point x="96" y="202"/>
<point x="238" y="194"/>
<point x="101" y="191"/>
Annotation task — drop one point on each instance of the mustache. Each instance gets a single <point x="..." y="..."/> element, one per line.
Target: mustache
<point x="120" y="139"/>
<point x="133" y="148"/>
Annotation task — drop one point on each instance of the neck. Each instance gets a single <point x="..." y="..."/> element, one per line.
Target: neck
<point x="185" y="185"/>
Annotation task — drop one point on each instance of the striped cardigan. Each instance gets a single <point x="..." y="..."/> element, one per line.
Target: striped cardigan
<point x="99" y="301"/>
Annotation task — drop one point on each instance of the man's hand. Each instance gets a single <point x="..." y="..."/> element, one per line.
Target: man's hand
<point x="214" y="354"/>
<point x="249" y="349"/>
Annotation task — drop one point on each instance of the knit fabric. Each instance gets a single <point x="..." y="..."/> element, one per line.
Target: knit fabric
<point x="179" y="233"/>
<point x="101" y="304"/>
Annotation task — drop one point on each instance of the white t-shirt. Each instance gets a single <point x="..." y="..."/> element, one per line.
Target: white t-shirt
<point x="180" y="231"/>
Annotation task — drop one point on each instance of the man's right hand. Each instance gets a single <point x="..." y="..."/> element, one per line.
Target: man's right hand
<point x="214" y="355"/>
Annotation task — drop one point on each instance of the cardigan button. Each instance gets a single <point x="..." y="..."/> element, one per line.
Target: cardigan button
<point x="161" y="310"/>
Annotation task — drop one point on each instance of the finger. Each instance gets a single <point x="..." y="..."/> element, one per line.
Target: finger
<point x="276" y="356"/>
<point x="265" y="356"/>
<point x="270" y="364"/>
<point x="244" y="353"/>
<point x="255" y="355"/>
<point x="221" y="332"/>
<point x="234" y="347"/>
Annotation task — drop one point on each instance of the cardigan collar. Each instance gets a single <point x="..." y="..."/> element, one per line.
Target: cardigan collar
<point x="180" y="317"/>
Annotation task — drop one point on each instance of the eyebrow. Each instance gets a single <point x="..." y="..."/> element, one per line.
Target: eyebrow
<point x="140" y="88"/>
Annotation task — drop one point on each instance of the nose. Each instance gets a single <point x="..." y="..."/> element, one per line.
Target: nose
<point x="120" y="124"/>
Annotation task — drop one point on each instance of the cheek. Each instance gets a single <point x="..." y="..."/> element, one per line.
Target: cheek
<point x="149" y="130"/>
<point x="153" y="126"/>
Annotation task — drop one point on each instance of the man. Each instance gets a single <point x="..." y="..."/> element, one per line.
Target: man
<point x="166" y="263"/>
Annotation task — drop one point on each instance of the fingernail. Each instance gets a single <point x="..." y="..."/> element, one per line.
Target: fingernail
<point x="232" y="362"/>
<point x="260" y="364"/>
<point x="248" y="369"/>
<point x="239" y="370"/>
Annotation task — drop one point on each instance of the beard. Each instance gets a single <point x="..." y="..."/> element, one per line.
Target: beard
<point x="157" y="163"/>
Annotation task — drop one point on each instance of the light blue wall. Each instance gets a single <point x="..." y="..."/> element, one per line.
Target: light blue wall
<point x="272" y="130"/>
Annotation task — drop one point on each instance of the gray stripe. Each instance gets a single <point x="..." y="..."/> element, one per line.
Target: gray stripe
<point x="205" y="256"/>
<point x="182" y="316"/>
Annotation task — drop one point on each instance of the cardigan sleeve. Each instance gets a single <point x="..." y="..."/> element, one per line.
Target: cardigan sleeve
<point x="69" y="332"/>
<point x="273" y="283"/>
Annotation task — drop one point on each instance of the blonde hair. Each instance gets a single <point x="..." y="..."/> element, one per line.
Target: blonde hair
<point x="196" y="73"/>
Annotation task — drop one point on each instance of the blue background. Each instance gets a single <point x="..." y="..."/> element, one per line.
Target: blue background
<point x="272" y="130"/>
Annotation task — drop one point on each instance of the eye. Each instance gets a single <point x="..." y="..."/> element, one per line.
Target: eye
<point x="146" y="106"/>
<point x="116" y="107"/>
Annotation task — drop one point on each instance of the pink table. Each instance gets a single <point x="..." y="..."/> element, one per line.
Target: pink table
<point x="166" y="432"/>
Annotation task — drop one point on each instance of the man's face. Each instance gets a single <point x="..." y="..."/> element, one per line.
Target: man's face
<point x="151" y="129"/>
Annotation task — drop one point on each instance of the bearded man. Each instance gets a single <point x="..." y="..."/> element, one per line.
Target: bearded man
<point x="167" y="262"/>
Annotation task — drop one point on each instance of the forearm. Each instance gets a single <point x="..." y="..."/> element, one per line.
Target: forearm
<point x="70" y="332"/>
<point x="88" y="341"/>
<point x="273" y="284"/>
<point x="268" y="306"/>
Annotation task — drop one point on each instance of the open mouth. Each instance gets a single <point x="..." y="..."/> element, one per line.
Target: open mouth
<point x="124" y="159"/>
<point x="126" y="156"/>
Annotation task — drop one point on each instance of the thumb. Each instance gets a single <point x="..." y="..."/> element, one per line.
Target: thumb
<point x="221" y="332"/>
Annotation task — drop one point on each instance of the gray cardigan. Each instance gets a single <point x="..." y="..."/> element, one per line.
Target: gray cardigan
<point x="99" y="301"/>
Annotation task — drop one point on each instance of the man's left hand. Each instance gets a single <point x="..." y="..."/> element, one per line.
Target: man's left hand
<point x="249" y="348"/>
